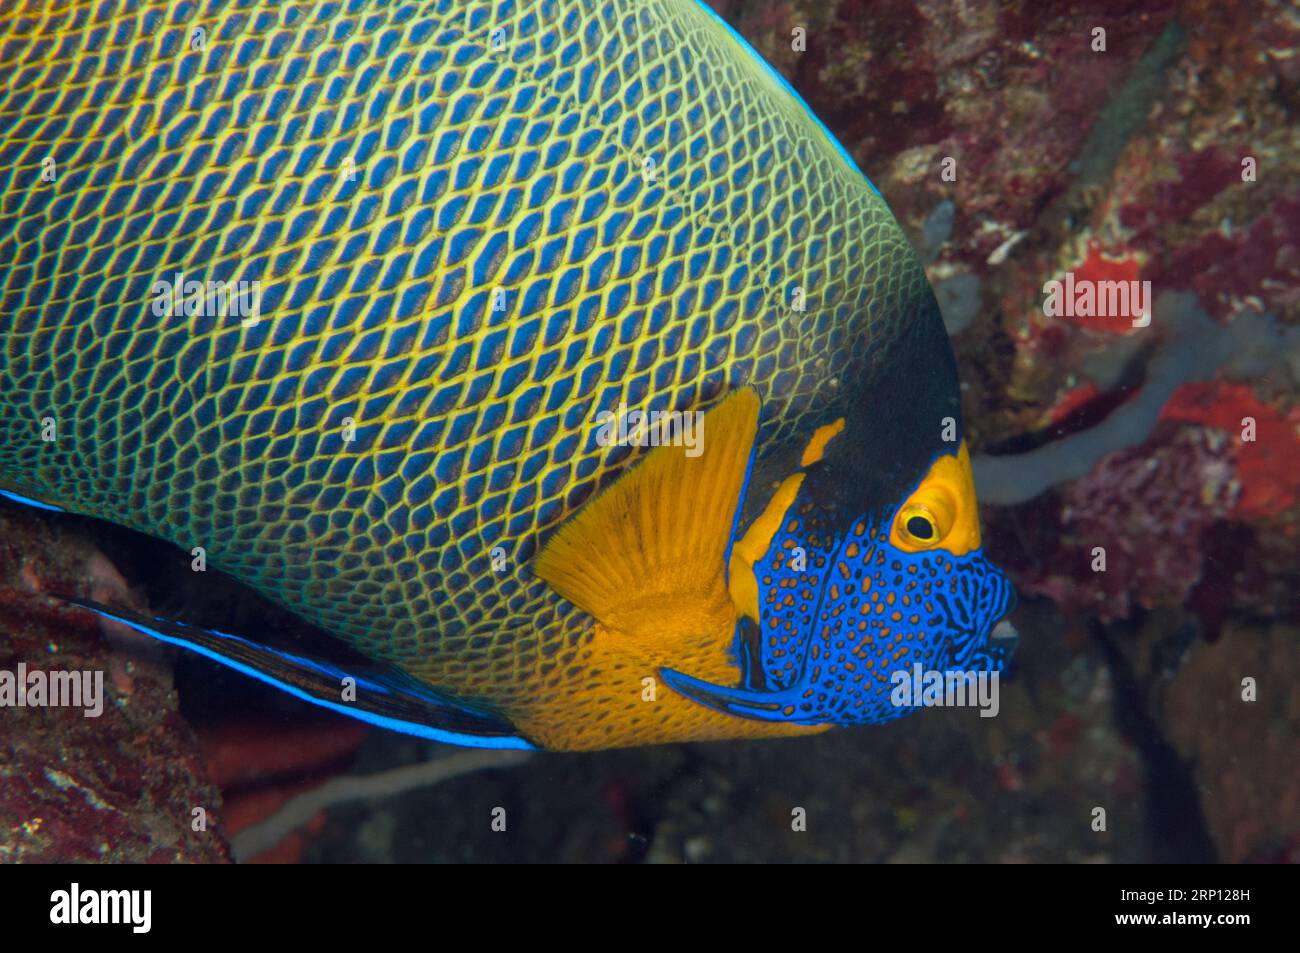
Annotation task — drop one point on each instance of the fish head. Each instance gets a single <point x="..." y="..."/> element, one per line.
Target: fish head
<point x="831" y="545"/>
<point x="867" y="559"/>
<point x="843" y="585"/>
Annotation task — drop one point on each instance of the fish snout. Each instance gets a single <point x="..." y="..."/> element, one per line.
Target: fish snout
<point x="1002" y="595"/>
<point x="998" y="636"/>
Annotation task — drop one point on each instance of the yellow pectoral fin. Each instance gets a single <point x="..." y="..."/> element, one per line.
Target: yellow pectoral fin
<point x="645" y="557"/>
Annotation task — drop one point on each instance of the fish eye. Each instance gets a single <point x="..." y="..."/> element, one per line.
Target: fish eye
<point x="921" y="526"/>
<point x="925" y="520"/>
<point x="940" y="512"/>
<point x="917" y="526"/>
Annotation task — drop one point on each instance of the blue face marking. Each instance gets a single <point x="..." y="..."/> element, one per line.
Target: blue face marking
<point x="839" y="618"/>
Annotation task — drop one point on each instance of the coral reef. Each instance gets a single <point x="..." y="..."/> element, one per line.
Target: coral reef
<point x="299" y="810"/>
<point x="263" y="764"/>
<point x="1243" y="750"/>
<point x="126" y="786"/>
<point x="1158" y="558"/>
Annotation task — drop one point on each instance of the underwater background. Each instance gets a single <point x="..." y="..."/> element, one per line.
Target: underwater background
<point x="1171" y="156"/>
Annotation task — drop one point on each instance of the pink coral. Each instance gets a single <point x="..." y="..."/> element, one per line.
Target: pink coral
<point x="1149" y="509"/>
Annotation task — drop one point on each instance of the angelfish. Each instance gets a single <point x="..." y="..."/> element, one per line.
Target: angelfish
<point x="468" y="231"/>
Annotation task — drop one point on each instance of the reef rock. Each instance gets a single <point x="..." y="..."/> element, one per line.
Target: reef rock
<point x="125" y="786"/>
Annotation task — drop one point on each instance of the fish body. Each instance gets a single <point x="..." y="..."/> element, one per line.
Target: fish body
<point x="347" y="295"/>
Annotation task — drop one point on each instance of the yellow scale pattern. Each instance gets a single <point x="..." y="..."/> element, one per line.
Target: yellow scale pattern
<point x="639" y="191"/>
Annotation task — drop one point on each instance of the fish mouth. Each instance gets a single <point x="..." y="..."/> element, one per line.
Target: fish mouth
<point x="1005" y="632"/>
<point x="1000" y="636"/>
<point x="1009" y="602"/>
<point x="1002" y="643"/>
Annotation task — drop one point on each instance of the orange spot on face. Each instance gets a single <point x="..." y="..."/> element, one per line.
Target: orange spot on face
<point x="817" y="445"/>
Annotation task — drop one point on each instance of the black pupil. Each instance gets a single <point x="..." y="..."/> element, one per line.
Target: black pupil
<point x="920" y="527"/>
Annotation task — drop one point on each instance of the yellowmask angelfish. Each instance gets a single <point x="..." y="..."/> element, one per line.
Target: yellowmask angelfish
<point x="346" y="294"/>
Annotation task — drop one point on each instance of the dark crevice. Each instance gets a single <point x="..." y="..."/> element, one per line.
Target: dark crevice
<point x="645" y="810"/>
<point x="1175" y="822"/>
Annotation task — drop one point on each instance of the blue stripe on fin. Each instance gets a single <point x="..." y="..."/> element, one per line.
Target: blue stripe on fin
<point x="741" y="702"/>
<point x="28" y="501"/>
<point x="386" y="696"/>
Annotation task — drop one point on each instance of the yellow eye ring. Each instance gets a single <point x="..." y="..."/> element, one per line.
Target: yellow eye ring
<point x="918" y="525"/>
<point x="925" y="520"/>
<point x="943" y="503"/>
